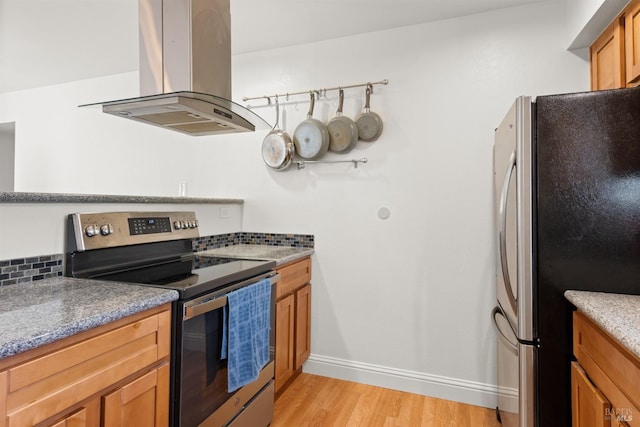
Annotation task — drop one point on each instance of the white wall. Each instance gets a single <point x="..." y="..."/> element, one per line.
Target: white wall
<point x="405" y="302"/>
<point x="7" y="149"/>
<point x="586" y="19"/>
<point x="35" y="229"/>
<point x="402" y="302"/>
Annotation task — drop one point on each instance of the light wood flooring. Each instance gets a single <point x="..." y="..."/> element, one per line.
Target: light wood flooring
<point x="317" y="401"/>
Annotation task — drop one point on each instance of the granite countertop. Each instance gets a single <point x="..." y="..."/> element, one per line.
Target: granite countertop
<point x="280" y="254"/>
<point x="23" y="197"/>
<point x="37" y="313"/>
<point x="617" y="314"/>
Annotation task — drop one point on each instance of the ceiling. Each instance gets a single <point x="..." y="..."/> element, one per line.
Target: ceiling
<point x="44" y="42"/>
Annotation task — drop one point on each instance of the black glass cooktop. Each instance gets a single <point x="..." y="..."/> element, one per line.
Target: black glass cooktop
<point x="192" y="275"/>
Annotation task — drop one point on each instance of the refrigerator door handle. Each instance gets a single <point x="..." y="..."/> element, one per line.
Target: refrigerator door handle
<point x="512" y="346"/>
<point x="502" y="233"/>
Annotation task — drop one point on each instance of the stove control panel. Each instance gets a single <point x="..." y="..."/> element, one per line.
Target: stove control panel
<point x="110" y="229"/>
<point x="181" y="225"/>
<point x="149" y="225"/>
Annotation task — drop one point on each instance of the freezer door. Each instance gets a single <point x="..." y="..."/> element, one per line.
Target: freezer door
<point x="588" y="220"/>
<point x="513" y="156"/>
<point x="516" y="370"/>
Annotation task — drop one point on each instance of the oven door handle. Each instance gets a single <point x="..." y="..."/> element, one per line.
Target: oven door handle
<point x="206" y="304"/>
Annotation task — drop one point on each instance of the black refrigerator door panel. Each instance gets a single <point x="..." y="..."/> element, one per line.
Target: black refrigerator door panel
<point x="588" y="220"/>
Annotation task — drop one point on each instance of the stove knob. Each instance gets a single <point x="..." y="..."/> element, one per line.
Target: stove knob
<point x="177" y="225"/>
<point x="196" y="223"/>
<point x="106" y="229"/>
<point x="185" y="224"/>
<point x="192" y="224"/>
<point x="92" y="230"/>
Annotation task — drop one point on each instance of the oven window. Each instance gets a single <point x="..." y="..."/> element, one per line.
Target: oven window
<point x="203" y="372"/>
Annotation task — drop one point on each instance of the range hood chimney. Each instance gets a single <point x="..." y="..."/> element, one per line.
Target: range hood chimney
<point x="185" y="70"/>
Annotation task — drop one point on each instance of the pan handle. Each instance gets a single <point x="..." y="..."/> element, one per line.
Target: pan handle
<point x="367" y="106"/>
<point x="340" y="102"/>
<point x="312" y="103"/>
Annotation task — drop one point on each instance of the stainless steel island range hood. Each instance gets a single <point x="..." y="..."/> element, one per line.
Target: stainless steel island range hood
<point x="185" y="70"/>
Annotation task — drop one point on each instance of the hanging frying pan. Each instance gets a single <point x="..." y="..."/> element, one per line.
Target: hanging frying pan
<point x="369" y="123"/>
<point x="343" y="132"/>
<point x="311" y="137"/>
<point x="277" y="148"/>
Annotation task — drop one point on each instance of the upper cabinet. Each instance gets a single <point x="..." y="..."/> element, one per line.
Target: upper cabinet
<point x="607" y="58"/>
<point x="615" y="55"/>
<point x="632" y="42"/>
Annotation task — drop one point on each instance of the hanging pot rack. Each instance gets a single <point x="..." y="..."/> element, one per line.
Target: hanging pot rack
<point x="319" y="92"/>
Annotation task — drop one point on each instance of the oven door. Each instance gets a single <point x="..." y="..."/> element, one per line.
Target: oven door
<point x="200" y="374"/>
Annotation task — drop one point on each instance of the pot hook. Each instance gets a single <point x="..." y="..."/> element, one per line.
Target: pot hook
<point x="277" y="115"/>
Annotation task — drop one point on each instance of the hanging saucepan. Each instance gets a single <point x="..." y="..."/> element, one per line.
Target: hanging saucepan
<point x="277" y="148"/>
<point x="369" y="123"/>
<point x="343" y="132"/>
<point x="311" y="137"/>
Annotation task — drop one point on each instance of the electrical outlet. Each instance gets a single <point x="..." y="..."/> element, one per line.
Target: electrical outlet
<point x="225" y="212"/>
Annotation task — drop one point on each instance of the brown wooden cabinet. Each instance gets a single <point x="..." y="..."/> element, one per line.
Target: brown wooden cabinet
<point x="605" y="381"/>
<point x="632" y="42"/>
<point x="142" y="402"/>
<point x="303" y="325"/>
<point x="607" y="58"/>
<point x="285" y="332"/>
<point x="589" y="407"/>
<point x="293" y="320"/>
<point x="116" y="374"/>
<point x="615" y="55"/>
<point x="87" y="416"/>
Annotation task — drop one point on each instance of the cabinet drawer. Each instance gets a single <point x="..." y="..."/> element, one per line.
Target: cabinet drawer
<point x="293" y="276"/>
<point x="45" y="386"/>
<point x="614" y="370"/>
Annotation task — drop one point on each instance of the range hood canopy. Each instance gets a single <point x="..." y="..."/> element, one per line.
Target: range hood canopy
<point x="185" y="70"/>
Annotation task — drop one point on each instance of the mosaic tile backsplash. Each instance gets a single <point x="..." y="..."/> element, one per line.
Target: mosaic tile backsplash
<point x="22" y="270"/>
<point x="244" y="238"/>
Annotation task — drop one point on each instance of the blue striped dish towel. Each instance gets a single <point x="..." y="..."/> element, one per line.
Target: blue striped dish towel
<point x="245" y="340"/>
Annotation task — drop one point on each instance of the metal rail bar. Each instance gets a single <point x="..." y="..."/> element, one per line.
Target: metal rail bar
<point x="303" y="163"/>
<point x="318" y="91"/>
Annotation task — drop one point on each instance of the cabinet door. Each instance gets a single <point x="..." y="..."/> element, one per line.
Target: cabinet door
<point x="77" y="419"/>
<point x="144" y="402"/>
<point x="87" y="416"/>
<point x="588" y="406"/>
<point x="632" y="43"/>
<point x="284" y="357"/>
<point x="607" y="58"/>
<point x="303" y="325"/>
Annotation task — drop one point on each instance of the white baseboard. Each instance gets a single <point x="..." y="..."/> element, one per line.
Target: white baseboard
<point x="469" y="392"/>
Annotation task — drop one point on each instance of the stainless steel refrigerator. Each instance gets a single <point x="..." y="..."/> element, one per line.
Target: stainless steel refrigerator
<point x="567" y="202"/>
